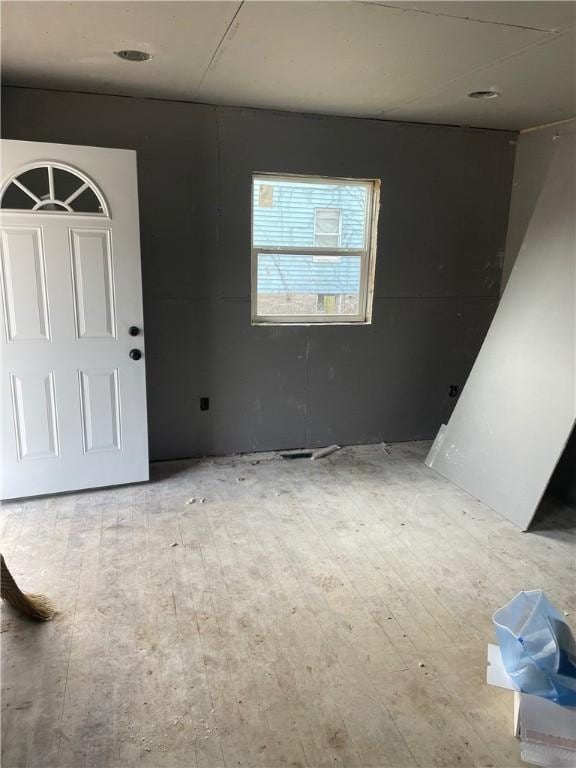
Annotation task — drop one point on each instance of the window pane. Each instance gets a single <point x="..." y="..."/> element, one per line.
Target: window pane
<point x="87" y="202"/>
<point x="292" y="284"/>
<point x="15" y="198"/>
<point x="327" y="241"/>
<point x="36" y="180"/>
<point x="285" y="212"/>
<point x="328" y="220"/>
<point x="327" y="226"/>
<point x="65" y="183"/>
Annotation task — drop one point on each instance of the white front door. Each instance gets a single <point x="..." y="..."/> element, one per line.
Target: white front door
<point x="73" y="379"/>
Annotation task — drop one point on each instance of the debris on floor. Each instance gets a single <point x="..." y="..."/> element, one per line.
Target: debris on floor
<point x="537" y="647"/>
<point x="297" y="455"/>
<point x="304" y="453"/>
<point x="322" y="452"/>
<point x="545" y="729"/>
<point x="535" y="658"/>
<point x="191" y="501"/>
<point x="174" y="544"/>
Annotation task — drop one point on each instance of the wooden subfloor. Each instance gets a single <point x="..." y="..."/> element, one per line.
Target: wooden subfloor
<point x="306" y="614"/>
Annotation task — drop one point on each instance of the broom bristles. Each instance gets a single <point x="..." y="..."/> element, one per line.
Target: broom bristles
<point x="33" y="606"/>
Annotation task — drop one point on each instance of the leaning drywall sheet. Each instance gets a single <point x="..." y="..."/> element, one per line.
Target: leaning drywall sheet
<point x="518" y="407"/>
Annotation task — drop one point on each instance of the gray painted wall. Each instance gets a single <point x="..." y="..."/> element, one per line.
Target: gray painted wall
<point x="563" y="482"/>
<point x="442" y="228"/>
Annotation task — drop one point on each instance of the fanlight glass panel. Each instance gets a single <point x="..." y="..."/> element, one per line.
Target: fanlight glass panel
<point x="52" y="188"/>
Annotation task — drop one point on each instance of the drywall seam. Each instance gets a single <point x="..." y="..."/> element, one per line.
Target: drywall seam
<point x="409" y="9"/>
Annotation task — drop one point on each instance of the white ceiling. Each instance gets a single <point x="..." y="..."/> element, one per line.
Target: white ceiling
<point x="407" y="60"/>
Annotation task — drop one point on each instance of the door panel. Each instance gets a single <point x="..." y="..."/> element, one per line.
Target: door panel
<point x="100" y="405"/>
<point x="24" y="284"/>
<point x="73" y="401"/>
<point x="34" y="411"/>
<point x="93" y="283"/>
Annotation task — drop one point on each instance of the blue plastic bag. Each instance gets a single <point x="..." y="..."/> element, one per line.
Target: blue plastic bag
<point x="538" y="648"/>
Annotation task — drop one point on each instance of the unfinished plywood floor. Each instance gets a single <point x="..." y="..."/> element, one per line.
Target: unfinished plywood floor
<point x="306" y="614"/>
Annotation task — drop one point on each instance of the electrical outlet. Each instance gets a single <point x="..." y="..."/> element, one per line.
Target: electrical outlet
<point x="204" y="403"/>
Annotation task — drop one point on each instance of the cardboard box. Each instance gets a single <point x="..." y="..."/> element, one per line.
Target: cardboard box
<point x="546" y="730"/>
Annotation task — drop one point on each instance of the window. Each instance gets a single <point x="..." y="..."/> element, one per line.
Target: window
<point x="54" y="188"/>
<point x="313" y="249"/>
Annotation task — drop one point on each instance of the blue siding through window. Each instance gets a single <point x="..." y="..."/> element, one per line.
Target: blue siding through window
<point x="286" y="218"/>
<point x="284" y="273"/>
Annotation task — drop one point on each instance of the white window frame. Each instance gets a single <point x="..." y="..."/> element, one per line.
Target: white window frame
<point x="367" y="255"/>
<point x="49" y="166"/>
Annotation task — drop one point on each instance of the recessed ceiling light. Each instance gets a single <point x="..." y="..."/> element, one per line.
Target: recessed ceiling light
<point x="127" y="54"/>
<point x="483" y="95"/>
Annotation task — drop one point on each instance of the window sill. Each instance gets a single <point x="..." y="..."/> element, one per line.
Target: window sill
<point x="308" y="323"/>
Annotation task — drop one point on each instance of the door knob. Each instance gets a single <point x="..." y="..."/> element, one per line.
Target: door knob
<point x="133" y="330"/>
<point x="135" y="354"/>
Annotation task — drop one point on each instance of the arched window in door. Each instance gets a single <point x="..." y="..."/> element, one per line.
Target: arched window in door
<point x="52" y="187"/>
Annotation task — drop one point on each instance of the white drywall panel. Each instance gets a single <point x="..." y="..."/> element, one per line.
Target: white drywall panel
<point x="518" y="407"/>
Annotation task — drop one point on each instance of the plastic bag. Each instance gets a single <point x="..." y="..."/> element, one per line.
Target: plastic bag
<point x="538" y="648"/>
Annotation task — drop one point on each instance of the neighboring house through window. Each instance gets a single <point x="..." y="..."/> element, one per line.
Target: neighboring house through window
<point x="313" y="249"/>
